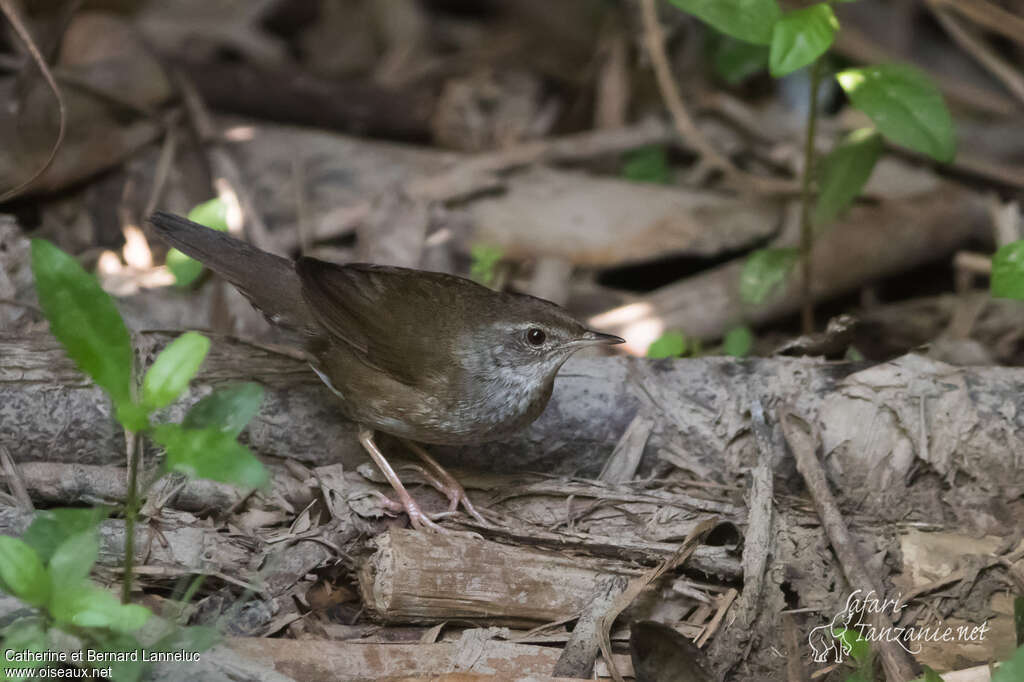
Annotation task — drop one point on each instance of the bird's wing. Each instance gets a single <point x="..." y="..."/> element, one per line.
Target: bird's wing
<point x="394" y="319"/>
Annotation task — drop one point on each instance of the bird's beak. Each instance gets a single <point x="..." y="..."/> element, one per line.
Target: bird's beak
<point x="592" y="338"/>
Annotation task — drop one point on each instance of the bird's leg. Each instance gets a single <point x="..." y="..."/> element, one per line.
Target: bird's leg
<point x="449" y="487"/>
<point x="416" y="516"/>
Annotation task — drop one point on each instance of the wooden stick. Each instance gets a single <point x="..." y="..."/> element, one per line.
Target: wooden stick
<point x="896" y="662"/>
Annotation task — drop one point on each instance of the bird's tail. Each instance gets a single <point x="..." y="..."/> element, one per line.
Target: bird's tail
<point x="268" y="281"/>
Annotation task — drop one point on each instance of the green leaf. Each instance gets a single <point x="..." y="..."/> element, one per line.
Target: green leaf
<point x="907" y="108"/>
<point x="122" y="671"/>
<point x="84" y="319"/>
<point x="929" y="675"/>
<point x="73" y="559"/>
<point x="1008" y="271"/>
<point x="133" y="417"/>
<point x="1012" y="670"/>
<point x="212" y="214"/>
<point x="184" y="268"/>
<point x="22" y="573"/>
<point x="669" y="345"/>
<point x="800" y="37"/>
<point x="736" y="60"/>
<point x="485" y="259"/>
<point x="26" y="634"/>
<point x="209" y="453"/>
<point x="749" y="20"/>
<point x="648" y="164"/>
<point x="91" y="607"/>
<point x="52" y="527"/>
<point x="192" y="638"/>
<point x="228" y="409"/>
<point x="860" y="648"/>
<point x="132" y="617"/>
<point x="738" y="342"/>
<point x="764" y="271"/>
<point x="844" y="172"/>
<point x="174" y="368"/>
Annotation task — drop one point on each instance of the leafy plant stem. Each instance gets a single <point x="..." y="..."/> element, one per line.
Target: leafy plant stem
<point x="193" y="587"/>
<point x="131" y="510"/>
<point x="806" y="227"/>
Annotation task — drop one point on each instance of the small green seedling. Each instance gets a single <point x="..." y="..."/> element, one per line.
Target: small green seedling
<point x="212" y="214"/>
<point x="48" y="567"/>
<point x="905" y="107"/>
<point x="648" y="164"/>
<point x="1008" y="271"/>
<point x="674" y="345"/>
<point x="484" y="267"/>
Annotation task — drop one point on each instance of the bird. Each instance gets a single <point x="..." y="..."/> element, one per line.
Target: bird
<point x="427" y="357"/>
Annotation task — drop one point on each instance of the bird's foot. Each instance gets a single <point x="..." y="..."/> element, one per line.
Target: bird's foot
<point x="418" y="518"/>
<point x="444" y="483"/>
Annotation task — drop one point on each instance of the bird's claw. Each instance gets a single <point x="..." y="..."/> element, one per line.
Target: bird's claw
<point x="446" y="484"/>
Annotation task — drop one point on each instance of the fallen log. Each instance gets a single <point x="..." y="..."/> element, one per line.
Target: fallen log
<point x="472" y="655"/>
<point x="700" y="409"/>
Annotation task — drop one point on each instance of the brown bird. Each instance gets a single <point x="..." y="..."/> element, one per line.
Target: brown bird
<point x="424" y="356"/>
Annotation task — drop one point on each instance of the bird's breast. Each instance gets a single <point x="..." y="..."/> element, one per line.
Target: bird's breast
<point x="450" y="408"/>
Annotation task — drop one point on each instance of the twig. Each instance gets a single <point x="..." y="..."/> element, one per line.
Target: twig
<point x="131" y="509"/>
<point x="758" y="543"/>
<point x="577" y="658"/>
<point x="992" y="17"/>
<point x="967" y="265"/>
<point x="163" y="170"/>
<point x="14" y="480"/>
<point x="896" y="662"/>
<point x="301" y="210"/>
<point x="654" y="40"/>
<point x="76" y="81"/>
<point x="791" y="636"/>
<point x="982" y="53"/>
<point x="8" y="9"/>
<point x="20" y="304"/>
<point x="225" y="171"/>
<point x="479" y="173"/>
<point x="638" y="584"/>
<point x="806" y="228"/>
<point x="724" y="602"/>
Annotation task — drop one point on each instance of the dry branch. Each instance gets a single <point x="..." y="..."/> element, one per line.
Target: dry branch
<point x="64" y="484"/>
<point x="415" y="577"/>
<point x="870" y="243"/>
<point x="577" y="659"/>
<point x="359" y="107"/>
<point x="10" y="11"/>
<point x="621" y="221"/>
<point x="758" y="543"/>
<point x="896" y="662"/>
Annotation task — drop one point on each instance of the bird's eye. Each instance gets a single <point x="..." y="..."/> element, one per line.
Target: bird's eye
<point x="535" y="336"/>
